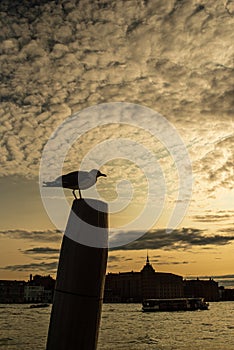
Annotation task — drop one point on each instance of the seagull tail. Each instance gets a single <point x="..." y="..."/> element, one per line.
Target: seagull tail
<point x="51" y="184"/>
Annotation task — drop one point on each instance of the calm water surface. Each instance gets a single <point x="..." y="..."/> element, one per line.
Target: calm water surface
<point x="125" y="327"/>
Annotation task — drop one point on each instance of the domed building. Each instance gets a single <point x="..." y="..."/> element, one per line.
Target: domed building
<point x="136" y="286"/>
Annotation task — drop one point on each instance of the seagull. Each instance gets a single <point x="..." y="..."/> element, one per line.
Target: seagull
<point x="76" y="180"/>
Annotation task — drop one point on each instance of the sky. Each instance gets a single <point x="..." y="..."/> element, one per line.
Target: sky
<point x="173" y="59"/>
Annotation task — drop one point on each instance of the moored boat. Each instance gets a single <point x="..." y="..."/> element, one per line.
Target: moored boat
<point x="177" y="304"/>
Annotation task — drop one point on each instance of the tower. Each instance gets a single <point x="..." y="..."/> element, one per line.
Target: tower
<point x="147" y="267"/>
<point x="148" y="280"/>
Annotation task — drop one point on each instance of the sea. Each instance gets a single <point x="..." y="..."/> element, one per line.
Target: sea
<point x="125" y="326"/>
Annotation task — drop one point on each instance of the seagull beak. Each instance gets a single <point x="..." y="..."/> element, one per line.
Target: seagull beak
<point x="100" y="174"/>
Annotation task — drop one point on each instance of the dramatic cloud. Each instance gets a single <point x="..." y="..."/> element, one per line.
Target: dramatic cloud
<point x="176" y="57"/>
<point x="62" y="56"/>
<point x="215" y="164"/>
<point x="185" y="238"/>
<point x="155" y="239"/>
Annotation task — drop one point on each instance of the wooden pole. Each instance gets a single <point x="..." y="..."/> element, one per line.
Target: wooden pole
<point x="78" y="296"/>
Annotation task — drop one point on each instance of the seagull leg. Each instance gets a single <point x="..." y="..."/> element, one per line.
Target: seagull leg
<point x="80" y="193"/>
<point x="74" y="194"/>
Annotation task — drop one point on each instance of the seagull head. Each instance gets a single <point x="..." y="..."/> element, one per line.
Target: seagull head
<point x="97" y="173"/>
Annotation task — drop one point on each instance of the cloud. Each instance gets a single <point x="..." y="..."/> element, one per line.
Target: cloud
<point x="38" y="267"/>
<point x="60" y="57"/>
<point x="40" y="236"/>
<point x="227" y="230"/>
<point x="212" y="217"/>
<point x="41" y="250"/>
<point x="214" y="164"/>
<point x="115" y="258"/>
<point x="174" y="262"/>
<point x="112" y="258"/>
<point x="185" y="238"/>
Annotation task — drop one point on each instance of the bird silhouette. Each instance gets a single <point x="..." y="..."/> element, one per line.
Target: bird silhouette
<point x="76" y="180"/>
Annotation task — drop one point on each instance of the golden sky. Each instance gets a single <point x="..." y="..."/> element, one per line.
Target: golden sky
<point x="176" y="59"/>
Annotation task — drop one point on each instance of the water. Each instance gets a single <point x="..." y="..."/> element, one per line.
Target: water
<point x="125" y="327"/>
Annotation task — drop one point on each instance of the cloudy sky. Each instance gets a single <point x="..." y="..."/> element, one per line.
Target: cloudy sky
<point x="176" y="58"/>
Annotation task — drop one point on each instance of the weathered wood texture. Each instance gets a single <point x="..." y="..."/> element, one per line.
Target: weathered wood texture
<point x="76" y="310"/>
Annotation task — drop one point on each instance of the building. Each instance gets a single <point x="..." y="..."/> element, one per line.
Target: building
<point x="33" y="294"/>
<point x="208" y="289"/>
<point x="226" y="294"/>
<point x="11" y="291"/>
<point x="39" y="289"/>
<point x="136" y="286"/>
<point x="160" y="285"/>
<point x="46" y="281"/>
<point x="123" y="287"/>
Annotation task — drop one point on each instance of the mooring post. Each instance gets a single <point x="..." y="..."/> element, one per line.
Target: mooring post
<point x="78" y="295"/>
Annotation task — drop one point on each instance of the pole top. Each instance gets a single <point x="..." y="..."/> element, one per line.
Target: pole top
<point x="88" y="223"/>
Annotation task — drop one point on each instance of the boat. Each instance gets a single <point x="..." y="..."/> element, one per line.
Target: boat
<point x="176" y="304"/>
<point x="35" y="306"/>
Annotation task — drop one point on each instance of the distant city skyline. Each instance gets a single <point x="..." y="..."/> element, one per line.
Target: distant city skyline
<point x="224" y="280"/>
<point x="122" y="287"/>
